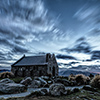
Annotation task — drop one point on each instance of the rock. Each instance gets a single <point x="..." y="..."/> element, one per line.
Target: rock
<point x="69" y="91"/>
<point x="35" y="84"/>
<point x="41" y="92"/>
<point x="27" y="81"/>
<point x="57" y="89"/>
<point x="45" y="91"/>
<point x="75" y="90"/>
<point x="73" y="83"/>
<point x="5" y="81"/>
<point x="10" y="88"/>
<point x="45" y="77"/>
<point x="63" y="81"/>
<point x="89" y="88"/>
<point x="49" y="82"/>
<point x="43" y="82"/>
<point x="46" y="85"/>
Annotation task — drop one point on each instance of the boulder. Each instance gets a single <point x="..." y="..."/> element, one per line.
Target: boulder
<point x="89" y="88"/>
<point x="35" y="84"/>
<point x="7" y="86"/>
<point x="57" y="89"/>
<point x="5" y="81"/>
<point x="49" y="82"/>
<point x="27" y="81"/>
<point x="45" y="77"/>
<point x="63" y="81"/>
<point x="73" y="83"/>
<point x="69" y="91"/>
<point x="75" y="90"/>
<point x="45" y="92"/>
<point x="41" y="92"/>
<point x="43" y="82"/>
<point x="46" y="85"/>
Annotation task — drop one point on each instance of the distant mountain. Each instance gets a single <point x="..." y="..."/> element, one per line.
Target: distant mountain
<point x="67" y="72"/>
<point x="4" y="70"/>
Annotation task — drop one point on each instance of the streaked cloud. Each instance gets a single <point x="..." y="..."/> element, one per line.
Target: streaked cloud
<point x="31" y="26"/>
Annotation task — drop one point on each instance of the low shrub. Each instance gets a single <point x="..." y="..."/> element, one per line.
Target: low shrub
<point x="82" y="79"/>
<point x="89" y="88"/>
<point x="63" y="77"/>
<point x="17" y="79"/>
<point x="95" y="82"/>
<point x="71" y="77"/>
<point x="91" y="75"/>
<point x="6" y="75"/>
<point x="69" y="91"/>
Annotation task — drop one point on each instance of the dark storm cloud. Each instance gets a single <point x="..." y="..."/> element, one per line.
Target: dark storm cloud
<point x="80" y="46"/>
<point x="2" y="57"/>
<point x="21" y="22"/>
<point x="18" y="49"/>
<point x="7" y="55"/>
<point x="32" y="26"/>
<point x="19" y="37"/>
<point x="5" y="42"/>
<point x="15" y="48"/>
<point x="95" y="55"/>
<point x="65" y="57"/>
<point x="83" y="47"/>
<point x="5" y="31"/>
<point x="81" y="39"/>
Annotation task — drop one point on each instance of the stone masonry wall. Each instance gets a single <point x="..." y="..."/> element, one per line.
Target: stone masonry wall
<point x="52" y="65"/>
<point x="29" y="71"/>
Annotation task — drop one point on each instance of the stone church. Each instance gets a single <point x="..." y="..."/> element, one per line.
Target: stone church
<point x="41" y="65"/>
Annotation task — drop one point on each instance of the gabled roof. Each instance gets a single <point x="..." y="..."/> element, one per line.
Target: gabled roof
<point x="31" y="60"/>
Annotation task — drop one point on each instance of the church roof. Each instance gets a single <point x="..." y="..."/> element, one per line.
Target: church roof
<point x="31" y="60"/>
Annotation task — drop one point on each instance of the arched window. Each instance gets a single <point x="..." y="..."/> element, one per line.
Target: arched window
<point x="53" y="71"/>
<point x="50" y="69"/>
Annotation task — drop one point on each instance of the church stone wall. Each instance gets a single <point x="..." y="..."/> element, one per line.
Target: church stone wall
<point x="30" y="71"/>
<point x="39" y="70"/>
<point x="52" y="65"/>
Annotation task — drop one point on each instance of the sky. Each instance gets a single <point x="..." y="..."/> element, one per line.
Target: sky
<point x="68" y="28"/>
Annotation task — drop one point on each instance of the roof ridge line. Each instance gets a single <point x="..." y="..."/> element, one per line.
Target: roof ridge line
<point x="18" y="60"/>
<point x="35" y="55"/>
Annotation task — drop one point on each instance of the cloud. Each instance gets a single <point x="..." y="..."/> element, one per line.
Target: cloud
<point x="94" y="32"/>
<point x="21" y="23"/>
<point x="81" y="39"/>
<point x="18" y="49"/>
<point x="95" y="55"/>
<point x="65" y="57"/>
<point x="80" y="46"/>
<point x="88" y="14"/>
